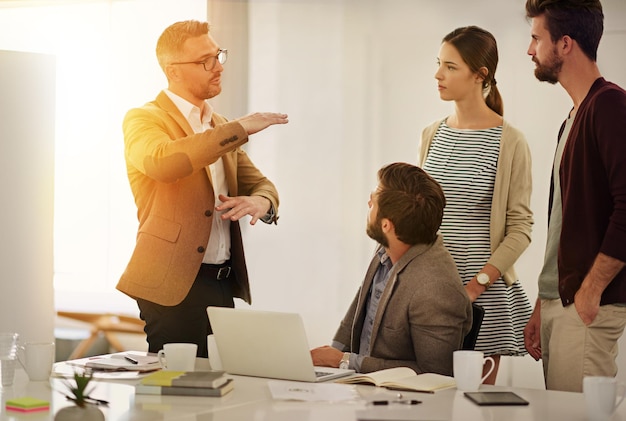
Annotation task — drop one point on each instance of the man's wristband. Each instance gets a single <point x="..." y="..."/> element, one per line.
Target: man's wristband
<point x="270" y="216"/>
<point x="344" y="364"/>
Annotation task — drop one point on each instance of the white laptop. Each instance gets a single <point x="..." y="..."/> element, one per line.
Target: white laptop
<point x="266" y="344"/>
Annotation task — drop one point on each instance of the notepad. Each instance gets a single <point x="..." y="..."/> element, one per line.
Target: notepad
<point x="27" y="404"/>
<point x="403" y="378"/>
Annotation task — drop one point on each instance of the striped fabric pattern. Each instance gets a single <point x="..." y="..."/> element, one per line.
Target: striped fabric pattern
<point x="464" y="162"/>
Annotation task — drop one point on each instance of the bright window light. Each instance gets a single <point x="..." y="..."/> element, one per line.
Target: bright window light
<point x="106" y="65"/>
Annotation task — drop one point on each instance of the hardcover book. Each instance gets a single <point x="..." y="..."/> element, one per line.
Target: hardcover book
<point x="197" y="379"/>
<point x="144" y="389"/>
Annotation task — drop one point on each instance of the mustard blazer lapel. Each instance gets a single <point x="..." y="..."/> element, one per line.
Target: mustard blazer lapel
<point x="165" y="103"/>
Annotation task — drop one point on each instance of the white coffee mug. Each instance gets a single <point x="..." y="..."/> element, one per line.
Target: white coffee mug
<point x="178" y="357"/>
<point x="468" y="369"/>
<point x="602" y="396"/>
<point x="37" y="359"/>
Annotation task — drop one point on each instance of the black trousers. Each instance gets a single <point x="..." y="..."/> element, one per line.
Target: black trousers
<point x="187" y="322"/>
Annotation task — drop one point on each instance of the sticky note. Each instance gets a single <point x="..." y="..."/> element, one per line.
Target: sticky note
<point x="27" y="404"/>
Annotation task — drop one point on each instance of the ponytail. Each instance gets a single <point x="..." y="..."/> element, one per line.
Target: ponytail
<point x="493" y="99"/>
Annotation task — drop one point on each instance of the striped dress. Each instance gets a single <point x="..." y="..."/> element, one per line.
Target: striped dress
<point x="464" y="163"/>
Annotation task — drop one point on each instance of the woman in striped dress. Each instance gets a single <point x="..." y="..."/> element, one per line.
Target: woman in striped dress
<point x="484" y="167"/>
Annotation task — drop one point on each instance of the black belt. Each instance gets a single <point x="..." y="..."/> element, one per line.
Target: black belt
<point x="219" y="272"/>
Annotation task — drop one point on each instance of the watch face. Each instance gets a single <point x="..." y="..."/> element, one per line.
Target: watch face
<point x="483" y="278"/>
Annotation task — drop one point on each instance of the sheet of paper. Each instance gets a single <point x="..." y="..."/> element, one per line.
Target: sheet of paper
<point x="311" y="392"/>
<point x="62" y="369"/>
<point x="118" y="361"/>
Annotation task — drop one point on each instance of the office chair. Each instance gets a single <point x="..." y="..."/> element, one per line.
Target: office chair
<point x="478" y="313"/>
<point x="106" y="324"/>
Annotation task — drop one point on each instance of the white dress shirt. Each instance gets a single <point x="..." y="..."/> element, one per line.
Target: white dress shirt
<point x="218" y="248"/>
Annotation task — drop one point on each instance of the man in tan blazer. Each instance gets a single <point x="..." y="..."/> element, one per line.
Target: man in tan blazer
<point x="192" y="183"/>
<point x="412" y="309"/>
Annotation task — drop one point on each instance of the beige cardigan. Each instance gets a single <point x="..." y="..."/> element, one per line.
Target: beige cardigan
<point x="511" y="217"/>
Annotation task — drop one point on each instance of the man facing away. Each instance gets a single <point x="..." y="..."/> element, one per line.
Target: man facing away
<point x="411" y="309"/>
<point x="192" y="183"/>
<point x="581" y="310"/>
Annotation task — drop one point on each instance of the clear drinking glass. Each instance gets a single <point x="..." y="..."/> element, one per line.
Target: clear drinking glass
<point x="8" y="357"/>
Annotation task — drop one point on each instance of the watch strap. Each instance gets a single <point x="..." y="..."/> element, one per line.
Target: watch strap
<point x="345" y="361"/>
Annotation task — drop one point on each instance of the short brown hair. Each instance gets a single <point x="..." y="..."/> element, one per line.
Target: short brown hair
<point x="412" y="200"/>
<point x="581" y="20"/>
<point x="173" y="38"/>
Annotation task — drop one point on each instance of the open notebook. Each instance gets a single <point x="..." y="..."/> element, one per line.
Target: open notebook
<point x="266" y="344"/>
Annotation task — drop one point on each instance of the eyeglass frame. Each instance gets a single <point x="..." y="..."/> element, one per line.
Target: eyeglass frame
<point x="223" y="52"/>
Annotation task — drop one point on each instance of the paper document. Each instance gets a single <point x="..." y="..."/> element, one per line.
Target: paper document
<point x="122" y="361"/>
<point x="65" y="370"/>
<point x="311" y="392"/>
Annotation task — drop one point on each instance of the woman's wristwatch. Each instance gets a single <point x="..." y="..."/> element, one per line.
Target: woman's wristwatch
<point x="483" y="279"/>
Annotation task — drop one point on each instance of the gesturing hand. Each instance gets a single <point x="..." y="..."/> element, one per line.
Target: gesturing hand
<point x="256" y="122"/>
<point x="237" y="207"/>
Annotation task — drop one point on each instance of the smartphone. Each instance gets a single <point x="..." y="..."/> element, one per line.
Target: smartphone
<point x="495" y="398"/>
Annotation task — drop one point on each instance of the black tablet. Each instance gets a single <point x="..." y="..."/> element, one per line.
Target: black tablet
<point x="496" y="398"/>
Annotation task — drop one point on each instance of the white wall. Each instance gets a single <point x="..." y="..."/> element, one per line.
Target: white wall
<point x="104" y="64"/>
<point x="26" y="182"/>
<point x="356" y="78"/>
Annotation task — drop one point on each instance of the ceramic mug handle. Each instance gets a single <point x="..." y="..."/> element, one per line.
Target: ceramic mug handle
<point x="162" y="359"/>
<point x="493" y="365"/>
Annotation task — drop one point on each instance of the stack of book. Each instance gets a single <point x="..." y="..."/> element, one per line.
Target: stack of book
<point x="185" y="383"/>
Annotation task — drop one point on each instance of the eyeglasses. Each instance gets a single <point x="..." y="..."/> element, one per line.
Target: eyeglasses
<point x="209" y="63"/>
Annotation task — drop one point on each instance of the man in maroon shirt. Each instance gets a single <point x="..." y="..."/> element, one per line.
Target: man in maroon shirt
<point x="581" y="339"/>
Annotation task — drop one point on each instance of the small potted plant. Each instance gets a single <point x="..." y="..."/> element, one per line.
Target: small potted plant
<point x="85" y="408"/>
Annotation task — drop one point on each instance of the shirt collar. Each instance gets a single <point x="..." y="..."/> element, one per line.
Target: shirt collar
<point x="383" y="256"/>
<point x="186" y="108"/>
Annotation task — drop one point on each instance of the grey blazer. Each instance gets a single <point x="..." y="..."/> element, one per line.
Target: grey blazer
<point x="423" y="315"/>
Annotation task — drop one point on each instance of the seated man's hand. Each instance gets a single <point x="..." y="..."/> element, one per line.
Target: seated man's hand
<point x="240" y="206"/>
<point x="326" y="356"/>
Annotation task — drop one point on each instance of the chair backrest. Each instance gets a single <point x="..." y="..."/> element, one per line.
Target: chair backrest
<point x="478" y="312"/>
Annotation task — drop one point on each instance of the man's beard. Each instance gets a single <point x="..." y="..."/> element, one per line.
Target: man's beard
<point x="549" y="72"/>
<point x="375" y="232"/>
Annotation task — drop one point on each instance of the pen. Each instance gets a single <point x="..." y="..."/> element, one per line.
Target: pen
<point x="90" y="400"/>
<point x="132" y="360"/>
<point x="402" y="401"/>
<point x="97" y="401"/>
